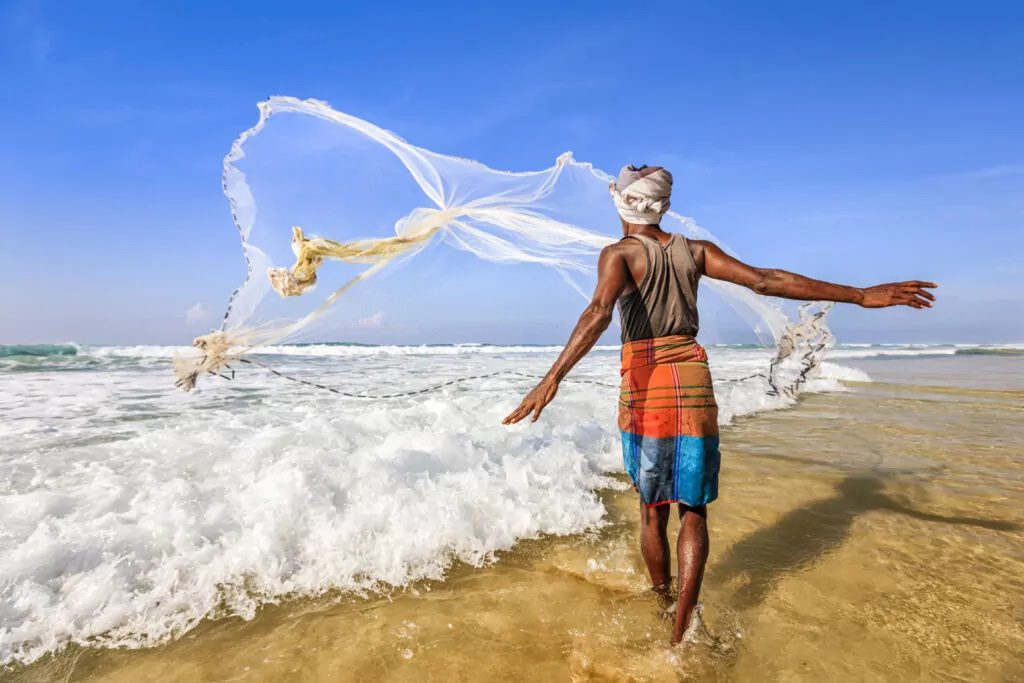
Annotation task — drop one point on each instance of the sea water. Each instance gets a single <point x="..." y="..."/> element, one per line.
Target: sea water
<point x="131" y="511"/>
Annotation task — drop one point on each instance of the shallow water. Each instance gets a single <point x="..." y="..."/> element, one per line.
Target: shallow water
<point x="868" y="535"/>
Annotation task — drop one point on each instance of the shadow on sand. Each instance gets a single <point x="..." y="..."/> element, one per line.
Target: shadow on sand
<point x="805" y="535"/>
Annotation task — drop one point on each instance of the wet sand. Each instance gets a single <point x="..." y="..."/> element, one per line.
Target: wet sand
<point x="875" y="535"/>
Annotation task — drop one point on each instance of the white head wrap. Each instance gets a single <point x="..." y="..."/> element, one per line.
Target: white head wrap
<point x="640" y="198"/>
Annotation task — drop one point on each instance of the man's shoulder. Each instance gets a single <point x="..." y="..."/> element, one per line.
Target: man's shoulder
<point x="623" y="246"/>
<point x="623" y="250"/>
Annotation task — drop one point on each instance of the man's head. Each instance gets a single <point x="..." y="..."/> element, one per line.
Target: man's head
<point x="641" y="194"/>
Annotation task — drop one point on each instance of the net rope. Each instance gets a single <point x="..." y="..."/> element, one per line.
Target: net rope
<point x="229" y="374"/>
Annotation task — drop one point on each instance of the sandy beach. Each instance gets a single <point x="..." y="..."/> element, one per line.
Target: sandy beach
<point x="872" y="534"/>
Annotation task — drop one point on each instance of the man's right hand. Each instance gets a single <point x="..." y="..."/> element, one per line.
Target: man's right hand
<point x="534" y="402"/>
<point x="913" y="293"/>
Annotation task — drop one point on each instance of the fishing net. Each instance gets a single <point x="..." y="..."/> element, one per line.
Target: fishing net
<point x="324" y="201"/>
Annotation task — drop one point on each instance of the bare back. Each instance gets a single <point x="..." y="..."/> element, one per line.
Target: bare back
<point x="661" y="300"/>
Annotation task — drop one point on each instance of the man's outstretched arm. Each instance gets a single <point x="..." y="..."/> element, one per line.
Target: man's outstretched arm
<point x="772" y="282"/>
<point x="612" y="275"/>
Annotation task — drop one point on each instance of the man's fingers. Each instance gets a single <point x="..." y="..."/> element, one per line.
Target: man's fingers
<point x="914" y="299"/>
<point x="533" y="403"/>
<point x="916" y="302"/>
<point x="915" y="295"/>
<point x="917" y="291"/>
<point x="516" y="415"/>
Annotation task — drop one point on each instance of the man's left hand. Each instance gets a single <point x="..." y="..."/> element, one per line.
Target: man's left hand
<point x="913" y="293"/>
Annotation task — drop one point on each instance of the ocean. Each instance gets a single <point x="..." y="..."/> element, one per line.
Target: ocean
<point x="133" y="515"/>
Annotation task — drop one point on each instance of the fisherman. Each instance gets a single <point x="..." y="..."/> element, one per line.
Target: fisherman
<point x="668" y="417"/>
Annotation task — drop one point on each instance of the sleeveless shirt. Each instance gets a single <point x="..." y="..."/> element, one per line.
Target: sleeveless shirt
<point x="665" y="300"/>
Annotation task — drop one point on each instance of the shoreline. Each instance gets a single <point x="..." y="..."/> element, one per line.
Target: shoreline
<point x="835" y="552"/>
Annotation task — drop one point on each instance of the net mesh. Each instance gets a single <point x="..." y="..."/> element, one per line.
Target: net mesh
<point x="323" y="201"/>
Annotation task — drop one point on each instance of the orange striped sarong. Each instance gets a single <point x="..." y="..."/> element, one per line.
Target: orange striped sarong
<point x="668" y="419"/>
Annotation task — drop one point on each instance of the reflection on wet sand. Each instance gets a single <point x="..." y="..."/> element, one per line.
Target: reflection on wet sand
<point x="801" y="537"/>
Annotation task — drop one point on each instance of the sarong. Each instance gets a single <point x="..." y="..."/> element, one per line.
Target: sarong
<point x="669" y="421"/>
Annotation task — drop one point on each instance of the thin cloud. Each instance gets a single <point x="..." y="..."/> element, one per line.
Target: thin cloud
<point x="198" y="313"/>
<point x="375" y="320"/>
<point x="997" y="171"/>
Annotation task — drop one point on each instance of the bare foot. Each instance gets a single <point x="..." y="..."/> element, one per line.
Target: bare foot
<point x="693" y="625"/>
<point x="665" y="595"/>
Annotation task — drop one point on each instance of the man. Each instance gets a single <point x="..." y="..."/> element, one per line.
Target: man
<point x="668" y="417"/>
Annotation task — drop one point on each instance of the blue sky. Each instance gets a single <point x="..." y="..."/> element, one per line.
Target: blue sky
<point x="858" y="143"/>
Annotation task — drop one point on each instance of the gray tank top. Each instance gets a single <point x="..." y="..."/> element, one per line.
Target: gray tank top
<point x="665" y="300"/>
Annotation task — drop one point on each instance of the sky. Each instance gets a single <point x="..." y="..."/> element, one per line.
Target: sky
<point x="854" y="142"/>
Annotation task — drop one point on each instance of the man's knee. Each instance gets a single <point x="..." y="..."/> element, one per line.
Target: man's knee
<point x="654" y="515"/>
<point x="698" y="510"/>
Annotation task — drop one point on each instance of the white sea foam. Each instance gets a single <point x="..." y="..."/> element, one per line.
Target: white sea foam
<point x="129" y="510"/>
<point x="832" y="372"/>
<point x="421" y="350"/>
<point x="891" y="350"/>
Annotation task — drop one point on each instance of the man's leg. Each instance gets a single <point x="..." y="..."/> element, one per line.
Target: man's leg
<point x="654" y="546"/>
<point x="692" y="553"/>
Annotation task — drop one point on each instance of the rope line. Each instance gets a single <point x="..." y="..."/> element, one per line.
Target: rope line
<point x="436" y="387"/>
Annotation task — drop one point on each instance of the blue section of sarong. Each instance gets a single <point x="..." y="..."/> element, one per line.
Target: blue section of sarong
<point x="680" y="469"/>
